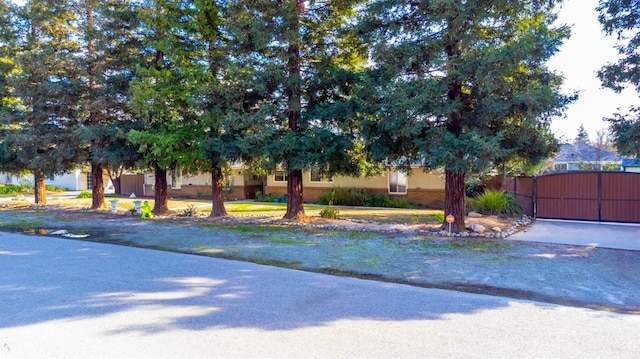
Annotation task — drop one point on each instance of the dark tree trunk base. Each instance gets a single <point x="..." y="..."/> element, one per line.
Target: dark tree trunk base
<point x="97" y="189"/>
<point x="161" y="205"/>
<point x="455" y="201"/>
<point x="217" y="197"/>
<point x="40" y="189"/>
<point x="295" y="205"/>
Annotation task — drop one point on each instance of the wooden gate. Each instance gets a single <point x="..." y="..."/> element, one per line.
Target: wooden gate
<point x="587" y="196"/>
<point x="132" y="184"/>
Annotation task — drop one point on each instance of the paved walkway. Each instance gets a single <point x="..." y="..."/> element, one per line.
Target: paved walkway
<point x="66" y="298"/>
<point x="591" y="234"/>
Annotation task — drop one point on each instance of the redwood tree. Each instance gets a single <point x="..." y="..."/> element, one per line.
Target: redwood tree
<point x="301" y="60"/>
<point x="46" y="85"/>
<point x="112" y="47"/>
<point x="449" y="78"/>
<point x="622" y="18"/>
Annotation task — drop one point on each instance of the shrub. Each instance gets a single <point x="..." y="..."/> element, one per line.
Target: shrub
<point x="51" y="188"/>
<point x="346" y="196"/>
<point x="329" y="212"/>
<point x="190" y="211"/>
<point x="512" y="206"/>
<point x="12" y="188"/>
<point x="495" y="202"/>
<point x="349" y="196"/>
<point x="84" y="194"/>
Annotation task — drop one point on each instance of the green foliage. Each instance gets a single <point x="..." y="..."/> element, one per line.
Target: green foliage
<point x="190" y="211"/>
<point x="496" y="202"/>
<point x="298" y="65"/>
<point x="38" y="135"/>
<point x="350" y="196"/>
<point x="582" y="135"/>
<point x="12" y="188"/>
<point x="84" y="194"/>
<point x="437" y="217"/>
<point x="460" y="85"/>
<point x="52" y="188"/>
<point x="621" y="18"/>
<point x="329" y="212"/>
<point x="626" y="130"/>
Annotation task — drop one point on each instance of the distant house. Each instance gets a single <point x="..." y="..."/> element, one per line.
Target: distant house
<point x="74" y="180"/>
<point x="581" y="156"/>
<point x="422" y="188"/>
<point x="631" y="165"/>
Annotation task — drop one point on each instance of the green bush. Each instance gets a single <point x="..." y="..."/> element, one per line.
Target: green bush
<point x="512" y="206"/>
<point x="329" y="212"/>
<point x="495" y="202"/>
<point x="84" y="194"/>
<point x="12" y="188"/>
<point x="50" y="188"/>
<point x="349" y="196"/>
<point x="190" y="211"/>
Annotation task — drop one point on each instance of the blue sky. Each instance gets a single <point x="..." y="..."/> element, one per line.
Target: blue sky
<point x="580" y="57"/>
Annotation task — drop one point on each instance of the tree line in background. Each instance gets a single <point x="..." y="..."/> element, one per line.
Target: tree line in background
<point x="343" y="86"/>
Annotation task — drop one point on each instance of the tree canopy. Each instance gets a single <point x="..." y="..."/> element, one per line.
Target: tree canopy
<point x="302" y="59"/>
<point x="622" y="18"/>
<point x="47" y="83"/>
<point x="454" y="81"/>
<point x="338" y="87"/>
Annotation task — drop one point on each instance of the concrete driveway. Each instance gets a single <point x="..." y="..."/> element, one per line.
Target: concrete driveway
<point x="73" y="299"/>
<point x="591" y="234"/>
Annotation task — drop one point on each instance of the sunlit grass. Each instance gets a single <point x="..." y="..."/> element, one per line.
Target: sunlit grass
<point x="267" y="209"/>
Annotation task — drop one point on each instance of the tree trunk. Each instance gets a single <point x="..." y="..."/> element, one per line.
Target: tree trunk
<point x="117" y="184"/>
<point x="97" y="189"/>
<point x="161" y="205"/>
<point x="40" y="189"/>
<point x="454" y="202"/>
<point x="116" y="179"/>
<point x="217" y="198"/>
<point x="295" y="208"/>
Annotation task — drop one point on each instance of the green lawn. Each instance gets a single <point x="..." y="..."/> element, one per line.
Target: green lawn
<point x="267" y="209"/>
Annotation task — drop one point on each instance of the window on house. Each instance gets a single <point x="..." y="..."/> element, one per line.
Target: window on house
<point x="281" y="176"/>
<point x="559" y="167"/>
<point x="397" y="182"/>
<point x="176" y="179"/>
<point x="89" y="181"/>
<point x="317" y="176"/>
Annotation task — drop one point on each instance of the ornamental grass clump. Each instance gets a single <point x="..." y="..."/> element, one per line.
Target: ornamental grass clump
<point x="496" y="202"/>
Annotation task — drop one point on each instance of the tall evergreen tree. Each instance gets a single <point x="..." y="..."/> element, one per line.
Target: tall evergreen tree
<point x="301" y="61"/>
<point x="7" y="53"/>
<point x="111" y="50"/>
<point x="47" y="86"/>
<point x="622" y="17"/>
<point x="582" y="135"/>
<point x="451" y="78"/>
<point x="163" y="96"/>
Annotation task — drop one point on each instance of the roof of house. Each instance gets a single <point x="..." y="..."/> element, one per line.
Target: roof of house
<point x="584" y="152"/>
<point x="630" y="162"/>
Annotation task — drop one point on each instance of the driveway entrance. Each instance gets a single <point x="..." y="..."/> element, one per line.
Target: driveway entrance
<point x="602" y="235"/>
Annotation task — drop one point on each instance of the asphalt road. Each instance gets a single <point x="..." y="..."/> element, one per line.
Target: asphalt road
<point x="66" y="298"/>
